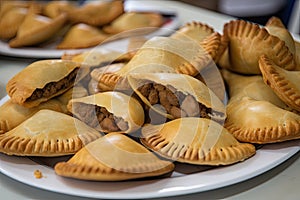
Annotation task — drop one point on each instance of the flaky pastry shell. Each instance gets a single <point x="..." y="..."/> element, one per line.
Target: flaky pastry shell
<point x="185" y="84"/>
<point x="127" y="113"/>
<point x="247" y="42"/>
<point x="196" y="141"/>
<point x="261" y="122"/>
<point x="283" y="82"/>
<point x="114" y="157"/>
<point x="34" y="84"/>
<point x="53" y="9"/>
<point x="47" y="133"/>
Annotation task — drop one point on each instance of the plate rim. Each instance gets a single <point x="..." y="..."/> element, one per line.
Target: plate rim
<point x="252" y="167"/>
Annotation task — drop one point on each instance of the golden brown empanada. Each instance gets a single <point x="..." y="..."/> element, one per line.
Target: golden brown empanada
<point x="36" y="29"/>
<point x="114" y="157"/>
<point x="286" y="84"/>
<point x="109" y="112"/>
<point x="247" y="42"/>
<point x="261" y="122"/>
<point x="275" y="27"/>
<point x="240" y="86"/>
<point x="196" y="141"/>
<point x="177" y="95"/>
<point x="133" y="20"/>
<point x="162" y="54"/>
<point x="82" y="36"/>
<point x="47" y="133"/>
<point x="5" y="6"/>
<point x="96" y="13"/>
<point x="43" y="80"/>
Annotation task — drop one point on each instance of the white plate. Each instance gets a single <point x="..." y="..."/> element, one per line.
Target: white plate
<point x="49" y="50"/>
<point x="269" y="156"/>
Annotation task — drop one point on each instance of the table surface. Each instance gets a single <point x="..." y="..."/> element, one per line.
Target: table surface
<point x="281" y="182"/>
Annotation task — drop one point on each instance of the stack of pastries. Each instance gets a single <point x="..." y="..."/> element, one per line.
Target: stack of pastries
<point x="66" y="25"/>
<point x="137" y="114"/>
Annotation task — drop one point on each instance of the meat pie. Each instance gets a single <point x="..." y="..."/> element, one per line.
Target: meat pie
<point x="109" y="112"/>
<point x="179" y="95"/>
<point x="43" y="80"/>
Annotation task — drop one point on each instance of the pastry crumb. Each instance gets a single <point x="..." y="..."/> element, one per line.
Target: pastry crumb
<point x="38" y="174"/>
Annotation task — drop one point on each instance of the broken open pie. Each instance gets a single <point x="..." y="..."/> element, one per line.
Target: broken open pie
<point x="109" y="112"/>
<point x="43" y="80"/>
<point x="47" y="133"/>
<point x="114" y="157"/>
<point x="196" y="141"/>
<point x="177" y="95"/>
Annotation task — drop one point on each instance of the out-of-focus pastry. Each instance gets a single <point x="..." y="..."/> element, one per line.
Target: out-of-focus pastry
<point x="297" y="47"/>
<point x="246" y="42"/>
<point x="109" y="112"/>
<point x="96" y="13"/>
<point x="82" y="36"/>
<point x="11" y="21"/>
<point x="286" y="84"/>
<point x="114" y="157"/>
<point x="53" y="9"/>
<point x="37" y="29"/>
<point x="43" y="80"/>
<point x="139" y="22"/>
<point x="47" y="133"/>
<point x="196" y="141"/>
<point x="5" y="6"/>
<point x="177" y="95"/>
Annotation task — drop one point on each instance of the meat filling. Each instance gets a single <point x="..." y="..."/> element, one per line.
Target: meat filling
<point x="175" y="102"/>
<point x="53" y="87"/>
<point x="96" y="115"/>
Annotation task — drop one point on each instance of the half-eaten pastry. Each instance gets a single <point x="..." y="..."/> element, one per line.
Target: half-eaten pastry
<point x="177" y="95"/>
<point x="109" y="112"/>
<point x="43" y="80"/>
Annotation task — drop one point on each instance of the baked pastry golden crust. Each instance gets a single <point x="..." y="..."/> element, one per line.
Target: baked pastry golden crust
<point x="82" y="36"/>
<point x="133" y="20"/>
<point x="284" y="83"/>
<point x="163" y="54"/>
<point x="196" y="141"/>
<point x="43" y="80"/>
<point x="247" y="42"/>
<point x="261" y="122"/>
<point x="89" y="13"/>
<point x="109" y="112"/>
<point x="297" y="47"/>
<point x="36" y="29"/>
<point x="5" y="6"/>
<point x="177" y="95"/>
<point x="114" y="157"/>
<point x="47" y="133"/>
<point x="12" y="114"/>
<point x="275" y="27"/>
<point x="240" y="86"/>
